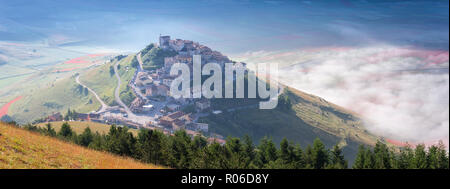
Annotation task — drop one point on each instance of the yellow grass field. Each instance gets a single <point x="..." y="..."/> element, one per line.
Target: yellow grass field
<point x="79" y="126"/>
<point x="22" y="149"/>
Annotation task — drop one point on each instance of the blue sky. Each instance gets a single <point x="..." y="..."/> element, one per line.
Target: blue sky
<point x="230" y="26"/>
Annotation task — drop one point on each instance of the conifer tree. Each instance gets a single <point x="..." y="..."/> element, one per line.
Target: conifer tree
<point x="319" y="154"/>
<point x="360" y="158"/>
<point x="420" y="157"/>
<point x="369" y="159"/>
<point x="337" y="159"/>
<point x="49" y="130"/>
<point x="86" y="137"/>
<point x="65" y="131"/>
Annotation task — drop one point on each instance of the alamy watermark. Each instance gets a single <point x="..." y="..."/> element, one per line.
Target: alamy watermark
<point x="234" y="73"/>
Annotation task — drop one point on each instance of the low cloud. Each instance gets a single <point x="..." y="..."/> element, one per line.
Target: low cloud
<point x="401" y="93"/>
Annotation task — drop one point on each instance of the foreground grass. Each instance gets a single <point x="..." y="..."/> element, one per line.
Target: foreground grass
<point x="21" y="149"/>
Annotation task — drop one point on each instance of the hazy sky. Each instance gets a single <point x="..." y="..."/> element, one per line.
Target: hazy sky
<point x="231" y="26"/>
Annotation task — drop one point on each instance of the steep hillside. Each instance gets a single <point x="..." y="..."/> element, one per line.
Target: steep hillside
<point x="309" y="117"/>
<point x="23" y="149"/>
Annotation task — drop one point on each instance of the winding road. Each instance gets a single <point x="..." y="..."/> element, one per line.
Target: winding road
<point x="104" y="106"/>
<point x="139" y="69"/>
<point x="117" y="91"/>
<point x="131" y="116"/>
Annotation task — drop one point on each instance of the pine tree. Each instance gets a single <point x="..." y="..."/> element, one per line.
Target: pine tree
<point x="286" y="156"/>
<point x="120" y="141"/>
<point x="382" y="156"/>
<point x="235" y="154"/>
<point x="65" y="131"/>
<point x="319" y="155"/>
<point x="420" y="157"/>
<point x="249" y="152"/>
<point x="266" y="153"/>
<point x="369" y="159"/>
<point x="299" y="160"/>
<point x="98" y="142"/>
<point x="49" y="130"/>
<point x="308" y="156"/>
<point x="432" y="157"/>
<point x="405" y="158"/>
<point x="151" y="146"/>
<point x="337" y="158"/>
<point x="442" y="155"/>
<point x="86" y="137"/>
<point x="180" y="150"/>
<point x="360" y="158"/>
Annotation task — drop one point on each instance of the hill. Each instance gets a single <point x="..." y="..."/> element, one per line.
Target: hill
<point x="79" y="126"/>
<point x="308" y="118"/>
<point x="102" y="80"/>
<point x="58" y="97"/>
<point x="24" y="149"/>
<point x="65" y="93"/>
<point x="153" y="57"/>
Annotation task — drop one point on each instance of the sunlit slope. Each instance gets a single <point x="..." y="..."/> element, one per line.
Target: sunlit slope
<point x="58" y="97"/>
<point x="309" y="117"/>
<point x="23" y="149"/>
<point x="65" y="93"/>
<point x="103" y="81"/>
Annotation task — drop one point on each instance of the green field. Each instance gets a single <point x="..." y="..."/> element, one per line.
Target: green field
<point x="58" y="97"/>
<point x="101" y="81"/>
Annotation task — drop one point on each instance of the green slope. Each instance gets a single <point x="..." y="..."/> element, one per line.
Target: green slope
<point x="58" y="97"/>
<point x="308" y="118"/>
<point x="126" y="73"/>
<point x="65" y="93"/>
<point x="103" y="82"/>
<point x="153" y="57"/>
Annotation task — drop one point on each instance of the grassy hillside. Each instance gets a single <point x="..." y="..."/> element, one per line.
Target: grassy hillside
<point x="153" y="57"/>
<point x="101" y="81"/>
<point x="126" y="93"/>
<point x="104" y="82"/>
<point x="308" y="118"/>
<point x="23" y="149"/>
<point x="65" y="93"/>
<point x="79" y="126"/>
<point x="329" y="117"/>
<point x="60" y="96"/>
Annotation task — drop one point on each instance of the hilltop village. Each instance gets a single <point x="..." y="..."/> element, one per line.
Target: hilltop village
<point x="153" y="107"/>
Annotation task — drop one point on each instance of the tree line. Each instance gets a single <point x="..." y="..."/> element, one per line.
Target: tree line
<point x="181" y="151"/>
